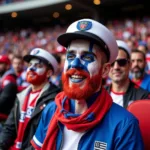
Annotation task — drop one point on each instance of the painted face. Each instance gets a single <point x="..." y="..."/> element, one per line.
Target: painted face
<point x="138" y="65"/>
<point x="82" y="69"/>
<point x="119" y="73"/>
<point x="36" y="72"/>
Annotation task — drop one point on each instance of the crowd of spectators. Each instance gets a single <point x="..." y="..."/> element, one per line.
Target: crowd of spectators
<point x="135" y="30"/>
<point x="23" y="41"/>
<point x="131" y="31"/>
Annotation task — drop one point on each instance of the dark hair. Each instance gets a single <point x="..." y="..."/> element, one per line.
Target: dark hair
<point x="57" y="57"/>
<point x="138" y="51"/>
<point x="49" y="65"/>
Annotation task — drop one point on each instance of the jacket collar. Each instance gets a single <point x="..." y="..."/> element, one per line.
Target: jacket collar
<point x="131" y="84"/>
<point x="22" y="94"/>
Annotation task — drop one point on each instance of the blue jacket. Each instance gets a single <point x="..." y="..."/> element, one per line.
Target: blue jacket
<point x="119" y="130"/>
<point x="145" y="84"/>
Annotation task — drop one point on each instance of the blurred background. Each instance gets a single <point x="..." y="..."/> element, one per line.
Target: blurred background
<point x="25" y="24"/>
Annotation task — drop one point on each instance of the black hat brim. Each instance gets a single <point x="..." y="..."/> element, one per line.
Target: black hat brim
<point x="66" y="38"/>
<point x="27" y="58"/>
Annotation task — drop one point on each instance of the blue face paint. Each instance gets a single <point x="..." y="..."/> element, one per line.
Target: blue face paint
<point x="82" y="61"/>
<point x="32" y="68"/>
<point x="37" y="66"/>
<point x="91" y="46"/>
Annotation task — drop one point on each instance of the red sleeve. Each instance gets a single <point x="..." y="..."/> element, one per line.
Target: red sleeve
<point x="8" y="79"/>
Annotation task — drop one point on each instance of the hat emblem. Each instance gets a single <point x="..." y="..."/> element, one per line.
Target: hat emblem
<point x="84" y="25"/>
<point x="35" y="52"/>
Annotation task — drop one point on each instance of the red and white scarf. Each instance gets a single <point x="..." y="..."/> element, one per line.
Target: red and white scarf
<point x="26" y="112"/>
<point x="79" y="123"/>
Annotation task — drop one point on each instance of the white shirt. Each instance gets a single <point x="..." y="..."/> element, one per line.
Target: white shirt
<point x="117" y="97"/>
<point x="71" y="139"/>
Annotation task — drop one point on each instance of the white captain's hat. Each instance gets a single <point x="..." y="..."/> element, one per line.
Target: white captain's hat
<point x="94" y="31"/>
<point x="43" y="55"/>
<point x="124" y="46"/>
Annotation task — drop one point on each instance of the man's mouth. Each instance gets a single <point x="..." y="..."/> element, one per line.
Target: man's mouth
<point x="117" y="73"/>
<point x="135" y="70"/>
<point x="76" y="78"/>
<point x="31" y="74"/>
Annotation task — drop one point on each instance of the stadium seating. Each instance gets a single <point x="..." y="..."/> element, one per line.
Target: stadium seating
<point x="141" y="110"/>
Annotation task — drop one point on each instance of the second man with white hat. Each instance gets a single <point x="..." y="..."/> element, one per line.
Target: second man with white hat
<point x="30" y="103"/>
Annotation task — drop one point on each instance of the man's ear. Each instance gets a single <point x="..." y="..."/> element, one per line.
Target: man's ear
<point x="105" y="70"/>
<point x="49" y="73"/>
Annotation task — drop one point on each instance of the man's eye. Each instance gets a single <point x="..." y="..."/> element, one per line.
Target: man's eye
<point x="70" y="57"/>
<point x="139" y="61"/>
<point x="39" y="65"/>
<point x="88" y="58"/>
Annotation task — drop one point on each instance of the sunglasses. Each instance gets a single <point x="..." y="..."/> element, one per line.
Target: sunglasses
<point x="120" y="62"/>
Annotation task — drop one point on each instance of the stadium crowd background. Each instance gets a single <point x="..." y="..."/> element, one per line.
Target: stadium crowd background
<point x="22" y="41"/>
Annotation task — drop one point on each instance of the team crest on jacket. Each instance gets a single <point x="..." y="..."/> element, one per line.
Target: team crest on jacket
<point x="84" y="25"/>
<point x="98" y="145"/>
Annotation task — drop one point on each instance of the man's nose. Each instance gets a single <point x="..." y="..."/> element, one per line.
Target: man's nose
<point x="32" y="68"/>
<point x="77" y="64"/>
<point x="116" y="65"/>
<point x="134" y="64"/>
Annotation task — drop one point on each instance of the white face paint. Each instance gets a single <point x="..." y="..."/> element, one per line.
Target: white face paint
<point x="82" y="74"/>
<point x="37" y="66"/>
<point x="84" y="55"/>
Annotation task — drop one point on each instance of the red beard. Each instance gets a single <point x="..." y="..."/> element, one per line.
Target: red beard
<point x="35" y="79"/>
<point x="75" y="91"/>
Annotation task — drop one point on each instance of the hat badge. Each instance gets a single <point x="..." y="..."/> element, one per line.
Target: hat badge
<point x="84" y="25"/>
<point x="35" y="52"/>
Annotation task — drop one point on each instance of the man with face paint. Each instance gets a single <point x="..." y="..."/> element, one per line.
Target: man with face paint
<point x="83" y="116"/>
<point x="122" y="90"/>
<point x="137" y="71"/>
<point x="24" y="118"/>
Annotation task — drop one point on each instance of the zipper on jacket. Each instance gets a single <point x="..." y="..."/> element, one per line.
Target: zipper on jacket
<point x="81" y="139"/>
<point x="15" y="115"/>
<point x="61" y="144"/>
